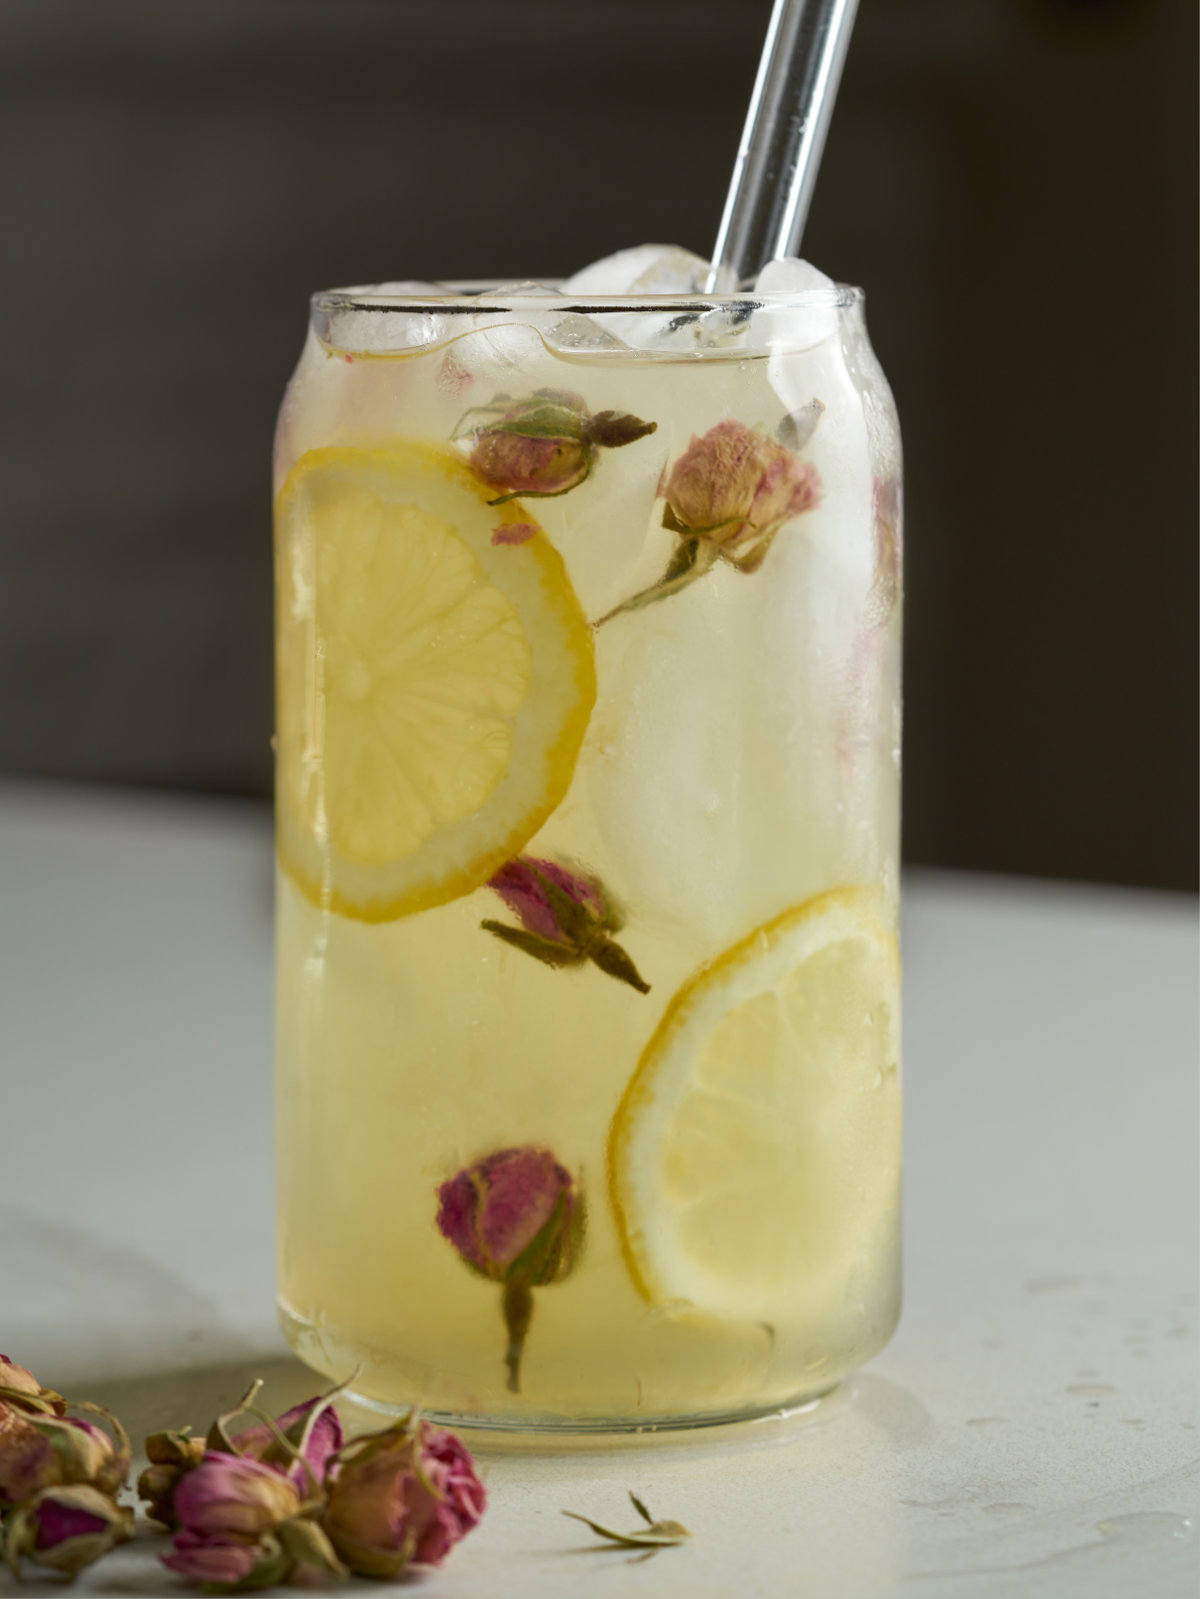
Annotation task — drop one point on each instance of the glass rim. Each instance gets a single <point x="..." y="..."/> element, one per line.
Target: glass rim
<point x="475" y="298"/>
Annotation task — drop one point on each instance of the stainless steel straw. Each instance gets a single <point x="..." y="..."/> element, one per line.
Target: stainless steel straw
<point x="784" y="134"/>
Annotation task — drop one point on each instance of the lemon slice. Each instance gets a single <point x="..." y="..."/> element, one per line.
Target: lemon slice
<point x="754" y="1159"/>
<point x="433" y="686"/>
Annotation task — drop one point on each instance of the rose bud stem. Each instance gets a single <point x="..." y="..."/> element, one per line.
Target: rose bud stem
<point x="518" y="1315"/>
<point x="692" y="560"/>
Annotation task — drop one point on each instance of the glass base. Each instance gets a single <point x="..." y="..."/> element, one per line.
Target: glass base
<point x="552" y="1429"/>
<point x="591" y="1432"/>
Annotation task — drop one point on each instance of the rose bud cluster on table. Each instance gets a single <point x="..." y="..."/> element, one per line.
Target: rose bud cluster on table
<point x="286" y="1500"/>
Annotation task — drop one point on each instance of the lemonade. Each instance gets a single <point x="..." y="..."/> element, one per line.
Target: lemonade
<point x="588" y="741"/>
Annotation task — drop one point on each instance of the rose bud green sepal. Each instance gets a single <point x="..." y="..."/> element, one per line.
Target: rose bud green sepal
<point x="545" y="445"/>
<point x="311" y="1554"/>
<point x="403" y="1496"/>
<point x="517" y="1218"/>
<point x="64" y="1529"/>
<point x="566" y="918"/>
<point x="171" y="1455"/>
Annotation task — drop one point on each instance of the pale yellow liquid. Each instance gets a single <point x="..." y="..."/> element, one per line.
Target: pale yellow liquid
<point x="741" y="757"/>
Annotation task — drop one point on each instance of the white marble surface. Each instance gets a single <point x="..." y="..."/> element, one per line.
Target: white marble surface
<point x="1029" y="1432"/>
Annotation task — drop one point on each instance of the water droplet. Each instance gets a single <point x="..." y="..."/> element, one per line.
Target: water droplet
<point x="1147" y="1527"/>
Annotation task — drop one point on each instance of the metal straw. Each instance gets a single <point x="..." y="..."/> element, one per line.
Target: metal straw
<point x="784" y="134"/>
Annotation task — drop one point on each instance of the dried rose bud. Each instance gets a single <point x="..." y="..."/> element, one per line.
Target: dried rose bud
<point x="545" y="445"/>
<point x="735" y="487"/>
<point x="64" y="1528"/>
<point x="18" y="1386"/>
<point x="228" y="1497"/>
<point x="517" y="1218"/>
<point x="566" y="918"/>
<point x="38" y="1450"/>
<point x="171" y="1455"/>
<point x="404" y="1495"/>
<point x="727" y="496"/>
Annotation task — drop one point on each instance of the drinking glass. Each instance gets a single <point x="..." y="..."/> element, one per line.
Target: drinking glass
<point x="588" y="659"/>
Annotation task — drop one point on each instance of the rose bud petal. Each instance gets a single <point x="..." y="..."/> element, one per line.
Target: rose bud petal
<point x="406" y="1495"/>
<point x="514" y="533"/>
<point x="27" y="1460"/>
<point x="19" y="1386"/>
<point x="220" y="1564"/>
<point x="313" y="1429"/>
<point x="65" y="1529"/>
<point x="226" y="1496"/>
<point x="18" y="1379"/>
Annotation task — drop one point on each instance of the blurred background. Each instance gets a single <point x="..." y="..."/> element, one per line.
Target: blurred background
<point x="1014" y="182"/>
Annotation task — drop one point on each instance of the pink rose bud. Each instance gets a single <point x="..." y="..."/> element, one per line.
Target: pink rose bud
<point x="727" y="496"/>
<point x="516" y="1218"/>
<point x="171" y="1455"/>
<point x="734" y="484"/>
<point x="64" y="1529"/>
<point x="19" y="1386"/>
<point x="407" y="1494"/>
<point x="545" y="445"/>
<point x="39" y="1451"/>
<point x="228" y="1497"/>
<point x="566" y="918"/>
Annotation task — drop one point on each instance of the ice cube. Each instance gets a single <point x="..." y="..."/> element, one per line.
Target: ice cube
<point x="787" y="274"/>
<point x="810" y="319"/>
<point x="646" y="269"/>
<point x="574" y="334"/>
<point x="525" y="289"/>
<point x="410" y="288"/>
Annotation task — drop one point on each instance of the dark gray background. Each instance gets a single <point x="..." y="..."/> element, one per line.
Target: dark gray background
<point x="1012" y="180"/>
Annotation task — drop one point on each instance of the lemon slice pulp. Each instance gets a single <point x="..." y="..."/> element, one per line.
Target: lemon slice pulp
<point x="754" y="1159"/>
<point x="433" y="686"/>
